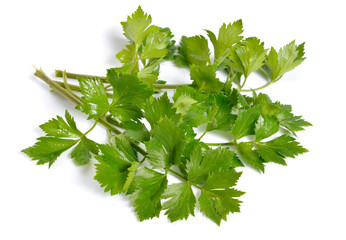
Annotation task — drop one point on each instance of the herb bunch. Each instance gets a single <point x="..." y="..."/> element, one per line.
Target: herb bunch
<point x="152" y="136"/>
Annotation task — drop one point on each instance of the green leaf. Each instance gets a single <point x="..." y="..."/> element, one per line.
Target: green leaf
<point x="71" y="122"/>
<point x="220" y="115"/>
<point x="181" y="201"/>
<point x="191" y="105"/>
<point x="95" y="98"/>
<point x="193" y="50"/>
<point x="60" y="128"/>
<point x="147" y="199"/>
<point x="205" y="78"/>
<point x="265" y="127"/>
<point x="277" y="149"/>
<point x="129" y="94"/>
<point x="136" y="25"/>
<point x="236" y="161"/>
<point x="223" y="178"/>
<point x="82" y="152"/>
<point x="245" y="123"/>
<point x="125" y="112"/>
<point x="149" y="74"/>
<point x="48" y="149"/>
<point x="250" y="156"/>
<point x="289" y="121"/>
<point x="127" y="55"/>
<point x="60" y="136"/>
<point x="228" y="36"/>
<point x="120" y="142"/>
<point x="112" y="169"/>
<point x="130" y="176"/>
<point x="183" y="104"/>
<point x="189" y="92"/>
<point x="283" y="114"/>
<point x="248" y="56"/>
<point x="288" y="57"/>
<point x="202" y="164"/>
<point x="217" y="199"/>
<point x="128" y="89"/>
<point x="137" y="131"/>
<point x="116" y="73"/>
<point x="191" y="111"/>
<point x="156" y="108"/>
<point x="155" y="45"/>
<point x="167" y="144"/>
<point x="217" y="204"/>
<point x="157" y="156"/>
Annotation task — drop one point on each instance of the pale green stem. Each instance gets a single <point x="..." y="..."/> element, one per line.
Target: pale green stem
<point x="169" y="86"/>
<point x="59" y="73"/>
<point x="92" y="127"/>
<point x="65" y="81"/>
<point x="221" y="144"/>
<point x="205" y="132"/>
<point x="255" y="89"/>
<point x="243" y="83"/>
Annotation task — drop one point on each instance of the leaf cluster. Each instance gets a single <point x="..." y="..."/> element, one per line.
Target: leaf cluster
<point x="259" y="130"/>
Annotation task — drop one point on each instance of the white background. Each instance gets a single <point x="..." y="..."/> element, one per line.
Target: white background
<point x="305" y="200"/>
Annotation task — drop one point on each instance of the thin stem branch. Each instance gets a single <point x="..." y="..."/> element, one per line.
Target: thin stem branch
<point x="205" y="132"/>
<point x="178" y="175"/>
<point x="169" y="86"/>
<point x="241" y="86"/>
<point x="40" y="74"/>
<point x="92" y="127"/>
<point x="255" y="89"/>
<point x="108" y="86"/>
<point x="59" y="73"/>
<point x="65" y="81"/>
<point x="221" y="144"/>
<point x="145" y="157"/>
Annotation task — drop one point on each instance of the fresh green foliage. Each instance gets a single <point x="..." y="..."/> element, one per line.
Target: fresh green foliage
<point x="148" y="43"/>
<point x="82" y="152"/>
<point x="265" y="127"/>
<point x="220" y="115"/>
<point x="129" y="93"/>
<point x="277" y="149"/>
<point x="60" y="136"/>
<point x="205" y="78"/>
<point x="166" y="145"/>
<point x="95" y="98"/>
<point x="181" y="201"/>
<point x="248" y="56"/>
<point x="157" y="108"/>
<point x="250" y="156"/>
<point x="288" y="57"/>
<point x="193" y="50"/>
<point x="191" y="105"/>
<point x="245" y="123"/>
<point x="155" y="45"/>
<point x="136" y="26"/>
<point x="152" y="135"/>
<point x="117" y="165"/>
<point x="228" y="36"/>
<point x="147" y="198"/>
<point x="137" y="131"/>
